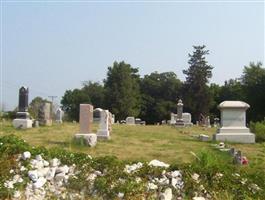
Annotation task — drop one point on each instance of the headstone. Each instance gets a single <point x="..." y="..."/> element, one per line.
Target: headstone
<point x="59" y="116"/>
<point x="44" y="115"/>
<point x="208" y="122"/>
<point x="85" y="121"/>
<point x="23" y="101"/>
<point x="113" y="119"/>
<point x="104" y="132"/>
<point x="204" y="138"/>
<point x="233" y="123"/>
<point x="172" y="119"/>
<point x="187" y="119"/>
<point x="22" y="116"/>
<point x="216" y="122"/>
<point x="110" y="122"/>
<point x="130" y="120"/>
<point x="96" y="114"/>
<point x="143" y="123"/>
<point x="138" y="121"/>
<point x="179" y="121"/>
<point x="35" y="124"/>
<point x="232" y="151"/>
<point x="202" y="120"/>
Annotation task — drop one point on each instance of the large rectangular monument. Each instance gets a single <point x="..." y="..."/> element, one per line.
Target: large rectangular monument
<point x="233" y="123"/>
<point x="22" y="116"/>
<point x="86" y="122"/>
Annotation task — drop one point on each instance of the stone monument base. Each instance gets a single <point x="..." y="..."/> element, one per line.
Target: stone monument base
<point x="89" y="139"/>
<point x="188" y="124"/>
<point x="179" y="123"/>
<point x="234" y="134"/>
<point x="22" y="123"/>
<point x="59" y="121"/>
<point x="103" y="134"/>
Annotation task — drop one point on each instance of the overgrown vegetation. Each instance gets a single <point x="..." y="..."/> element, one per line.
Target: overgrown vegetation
<point x="217" y="177"/>
<point x="259" y="129"/>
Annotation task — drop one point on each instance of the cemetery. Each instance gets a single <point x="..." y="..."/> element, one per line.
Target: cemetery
<point x="98" y="158"/>
<point x="132" y="100"/>
<point x="47" y="153"/>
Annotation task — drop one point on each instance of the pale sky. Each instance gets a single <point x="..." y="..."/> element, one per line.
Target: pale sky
<point x="54" y="46"/>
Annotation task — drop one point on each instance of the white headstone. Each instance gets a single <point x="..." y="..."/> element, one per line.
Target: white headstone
<point x="187" y="119"/>
<point x="172" y="119"/>
<point x="113" y="119"/>
<point x="130" y="120"/>
<point x="103" y="132"/>
<point x="233" y="123"/>
<point x="59" y="116"/>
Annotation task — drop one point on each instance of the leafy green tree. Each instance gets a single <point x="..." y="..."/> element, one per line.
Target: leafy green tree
<point x="253" y="80"/>
<point x="71" y="102"/>
<point x="96" y="93"/>
<point x="197" y="95"/>
<point x="159" y="93"/>
<point x="35" y="105"/>
<point x="232" y="90"/>
<point x="122" y="90"/>
<point x="215" y="92"/>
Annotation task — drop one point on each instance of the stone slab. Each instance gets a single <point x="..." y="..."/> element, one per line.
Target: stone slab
<point x="235" y="137"/>
<point x="89" y="138"/>
<point x="22" y="123"/>
<point x="103" y="134"/>
<point x="204" y="138"/>
<point x="86" y="118"/>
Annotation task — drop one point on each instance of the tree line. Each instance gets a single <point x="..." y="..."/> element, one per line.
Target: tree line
<point x="153" y="96"/>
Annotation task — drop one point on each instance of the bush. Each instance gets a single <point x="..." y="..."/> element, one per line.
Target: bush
<point x="259" y="129"/>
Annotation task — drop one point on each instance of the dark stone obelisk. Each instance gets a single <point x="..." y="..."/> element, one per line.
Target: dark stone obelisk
<point x="22" y="116"/>
<point x="23" y="100"/>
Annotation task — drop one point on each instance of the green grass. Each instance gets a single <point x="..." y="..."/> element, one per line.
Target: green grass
<point x="165" y="143"/>
<point x="141" y="143"/>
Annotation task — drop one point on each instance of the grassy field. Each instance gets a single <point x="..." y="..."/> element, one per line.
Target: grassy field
<point x="127" y="142"/>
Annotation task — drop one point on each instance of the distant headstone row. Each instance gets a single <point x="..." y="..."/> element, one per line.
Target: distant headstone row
<point x="23" y="119"/>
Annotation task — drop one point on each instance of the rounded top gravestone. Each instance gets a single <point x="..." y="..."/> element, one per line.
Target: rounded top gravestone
<point x="233" y="104"/>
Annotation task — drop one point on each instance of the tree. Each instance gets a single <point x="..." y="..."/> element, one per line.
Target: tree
<point x="197" y="95"/>
<point x="35" y="105"/>
<point x="95" y="91"/>
<point x="159" y="93"/>
<point x="71" y="102"/>
<point x="122" y="90"/>
<point x="253" y="80"/>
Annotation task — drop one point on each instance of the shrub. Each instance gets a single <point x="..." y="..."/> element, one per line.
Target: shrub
<point x="259" y="129"/>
